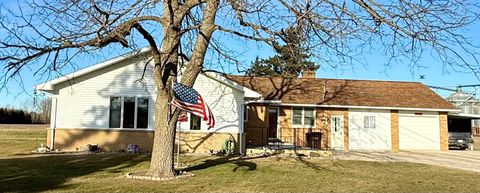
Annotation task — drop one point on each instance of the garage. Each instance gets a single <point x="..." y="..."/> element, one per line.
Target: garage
<point x="369" y="129"/>
<point x="461" y="131"/>
<point x="418" y="130"/>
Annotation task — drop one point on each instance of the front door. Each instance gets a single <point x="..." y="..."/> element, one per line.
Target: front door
<point x="337" y="132"/>
<point x="272" y="122"/>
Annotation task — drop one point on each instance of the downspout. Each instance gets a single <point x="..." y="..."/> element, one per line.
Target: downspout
<point x="53" y="122"/>
<point x="242" y="114"/>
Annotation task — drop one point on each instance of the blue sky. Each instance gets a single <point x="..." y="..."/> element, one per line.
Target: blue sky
<point x="18" y="91"/>
<point x="15" y="93"/>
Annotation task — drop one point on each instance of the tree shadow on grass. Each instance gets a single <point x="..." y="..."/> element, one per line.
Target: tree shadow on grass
<point x="239" y="161"/>
<point x="244" y="163"/>
<point x="309" y="164"/>
<point x="41" y="173"/>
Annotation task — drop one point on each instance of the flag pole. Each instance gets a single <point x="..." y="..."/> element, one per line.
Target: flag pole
<point x="178" y="143"/>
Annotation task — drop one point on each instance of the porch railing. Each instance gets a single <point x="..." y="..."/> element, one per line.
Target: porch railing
<point x="313" y="138"/>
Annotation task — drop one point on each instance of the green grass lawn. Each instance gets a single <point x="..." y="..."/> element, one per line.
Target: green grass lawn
<point x="105" y="173"/>
<point x="21" y="139"/>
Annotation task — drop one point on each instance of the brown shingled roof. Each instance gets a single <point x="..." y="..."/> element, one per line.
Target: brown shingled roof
<point x="344" y="92"/>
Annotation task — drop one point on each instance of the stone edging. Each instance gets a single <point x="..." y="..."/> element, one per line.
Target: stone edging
<point x="183" y="174"/>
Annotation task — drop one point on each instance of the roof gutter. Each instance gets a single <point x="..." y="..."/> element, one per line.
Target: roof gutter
<point x="464" y="115"/>
<point x="264" y="102"/>
<point x="278" y="103"/>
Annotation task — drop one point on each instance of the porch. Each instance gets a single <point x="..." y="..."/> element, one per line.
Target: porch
<point x="273" y="128"/>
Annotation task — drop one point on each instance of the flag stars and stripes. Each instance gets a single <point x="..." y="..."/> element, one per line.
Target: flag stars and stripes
<point x="188" y="99"/>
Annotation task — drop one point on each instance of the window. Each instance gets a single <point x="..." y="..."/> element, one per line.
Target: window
<point x="303" y="117"/>
<point x="194" y="122"/>
<point x="115" y="112"/>
<point x="336" y="124"/>
<point x="128" y="112"/>
<point x="142" y="112"/>
<point x="369" y="122"/>
<point x="309" y="117"/>
<point x="297" y="116"/>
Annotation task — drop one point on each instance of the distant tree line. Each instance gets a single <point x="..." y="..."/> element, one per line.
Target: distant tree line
<point x="40" y="114"/>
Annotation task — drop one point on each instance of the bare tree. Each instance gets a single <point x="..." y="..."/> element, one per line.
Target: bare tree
<point x="42" y="107"/>
<point x="46" y="35"/>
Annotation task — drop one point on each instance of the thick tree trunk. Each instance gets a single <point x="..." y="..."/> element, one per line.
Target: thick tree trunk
<point x="161" y="164"/>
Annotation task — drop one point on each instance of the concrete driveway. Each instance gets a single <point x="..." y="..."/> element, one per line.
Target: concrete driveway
<point x="465" y="160"/>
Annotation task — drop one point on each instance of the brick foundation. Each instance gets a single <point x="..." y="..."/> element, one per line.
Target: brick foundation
<point x="118" y="140"/>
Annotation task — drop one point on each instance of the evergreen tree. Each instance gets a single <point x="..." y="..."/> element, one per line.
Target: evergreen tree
<point x="289" y="61"/>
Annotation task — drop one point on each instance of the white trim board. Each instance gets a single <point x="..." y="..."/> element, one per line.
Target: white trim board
<point x="47" y="86"/>
<point x="369" y="107"/>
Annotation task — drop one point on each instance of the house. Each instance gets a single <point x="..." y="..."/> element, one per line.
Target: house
<point x="112" y="104"/>
<point x="348" y="114"/>
<point x="109" y="104"/>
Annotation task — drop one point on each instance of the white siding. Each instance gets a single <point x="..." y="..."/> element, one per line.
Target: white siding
<point x="85" y="102"/>
<point x="378" y="138"/>
<point x="225" y="103"/>
<point x="420" y="131"/>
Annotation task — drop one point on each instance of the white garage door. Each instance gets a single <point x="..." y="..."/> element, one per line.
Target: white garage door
<point x="369" y="129"/>
<point x="419" y="130"/>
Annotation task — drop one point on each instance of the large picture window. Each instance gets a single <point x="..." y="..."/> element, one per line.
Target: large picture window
<point x="303" y="117"/>
<point x="128" y="112"/>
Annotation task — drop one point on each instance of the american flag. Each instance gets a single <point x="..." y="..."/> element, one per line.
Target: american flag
<point x="188" y="99"/>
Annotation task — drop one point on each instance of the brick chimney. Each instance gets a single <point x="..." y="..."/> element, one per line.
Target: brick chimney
<point x="309" y="74"/>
